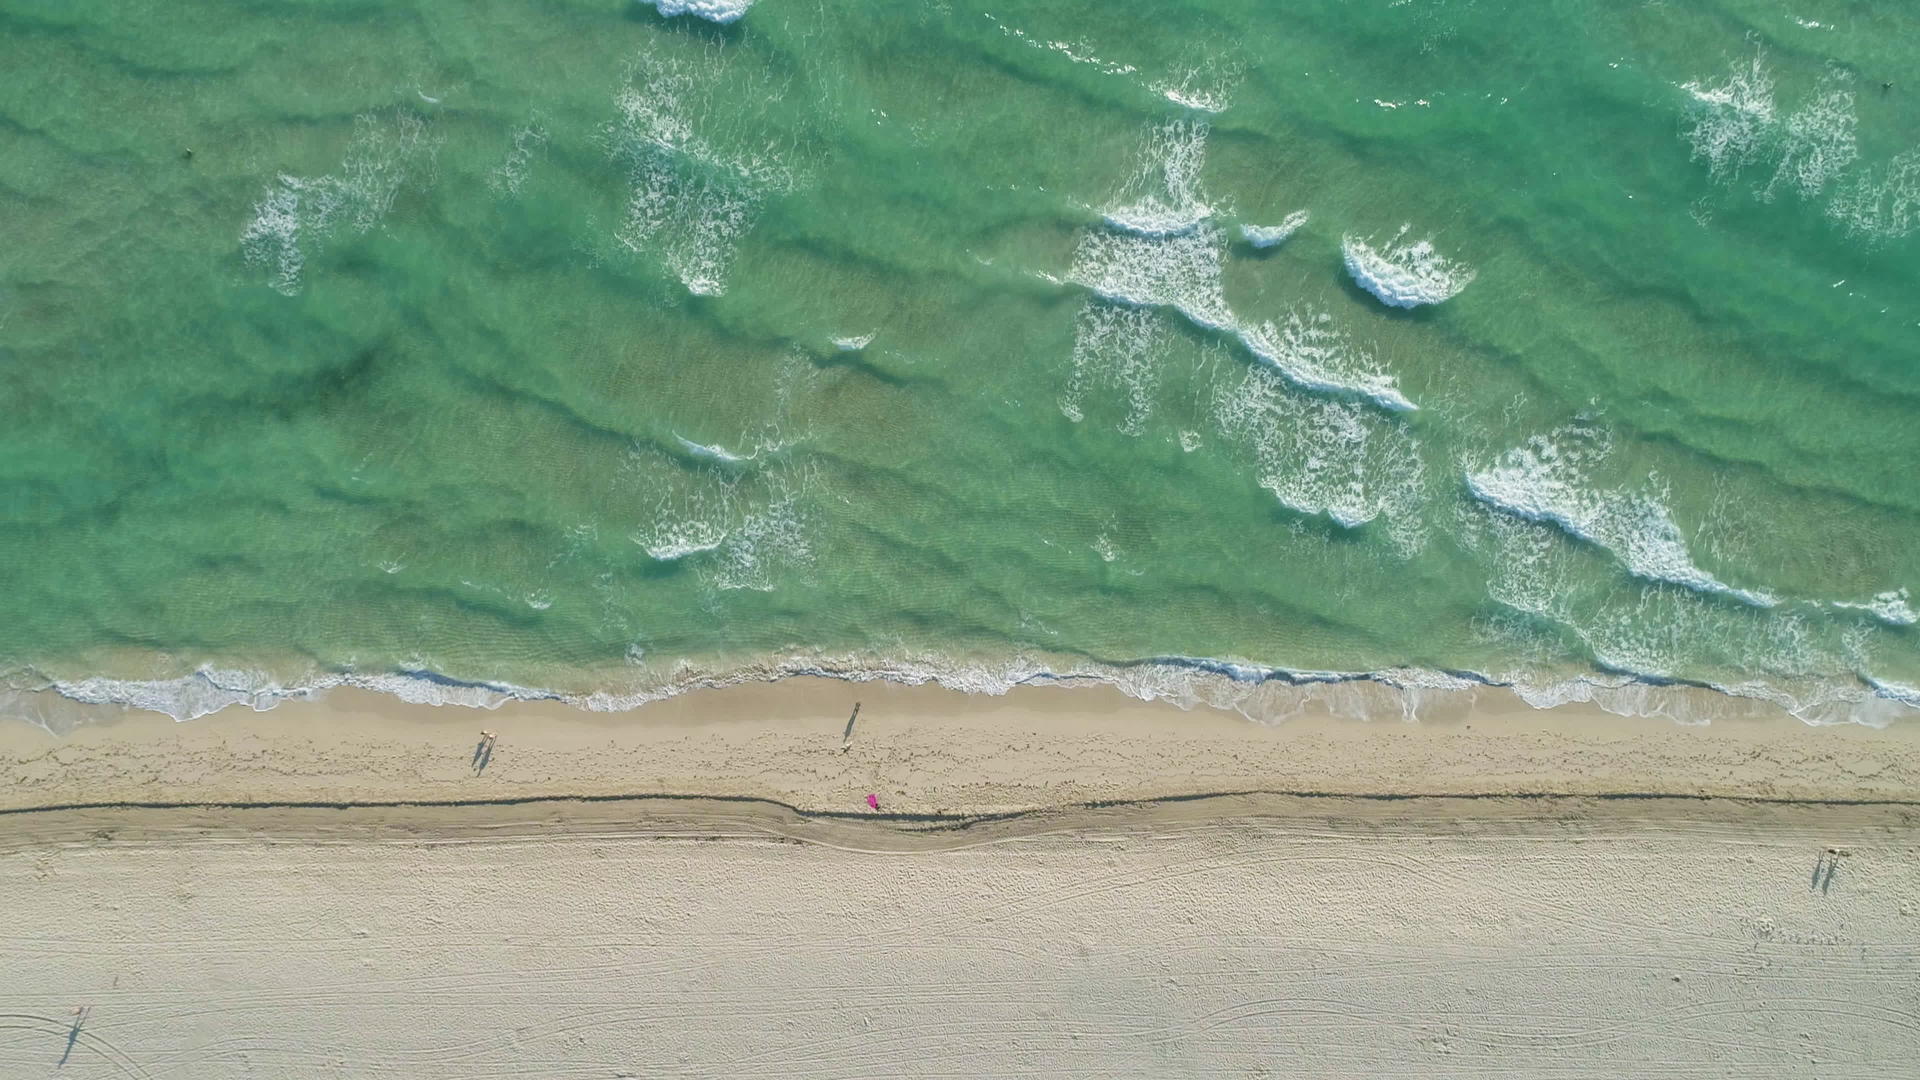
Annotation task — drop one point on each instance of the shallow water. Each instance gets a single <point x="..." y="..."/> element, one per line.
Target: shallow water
<point x="559" y="344"/>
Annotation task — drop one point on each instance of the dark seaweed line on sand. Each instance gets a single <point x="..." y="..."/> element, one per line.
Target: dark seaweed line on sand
<point x="959" y="820"/>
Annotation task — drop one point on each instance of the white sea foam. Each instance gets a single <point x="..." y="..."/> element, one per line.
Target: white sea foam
<point x="694" y="511"/>
<point x="1326" y="456"/>
<point x="1159" y="248"/>
<point x="1178" y="270"/>
<point x="1260" y="693"/>
<point x="1525" y="574"/>
<point x="1543" y="482"/>
<point x="298" y="214"/>
<point x="671" y="540"/>
<point x="1314" y="354"/>
<point x="1736" y="123"/>
<point x="713" y="451"/>
<point x="1266" y="236"/>
<point x="1078" y="52"/>
<point x="720" y="11"/>
<point x="773" y="540"/>
<point x="1666" y="634"/>
<point x="1903" y="693"/>
<point x="510" y="175"/>
<point x="1893" y="608"/>
<point x="853" y="343"/>
<point x="690" y="199"/>
<point x="1198" y="99"/>
<point x="1881" y="203"/>
<point x="1163" y="195"/>
<point x="1204" y="84"/>
<point x="1817" y="140"/>
<point x="1116" y="345"/>
<point x="1404" y="275"/>
<point x="205" y="691"/>
<point x="1732" y="119"/>
<point x="746" y="526"/>
<point x="693" y="222"/>
<point x="273" y="239"/>
<point x="1177" y="264"/>
<point x="1155" y="222"/>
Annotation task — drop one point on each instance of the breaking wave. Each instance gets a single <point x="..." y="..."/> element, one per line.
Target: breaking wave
<point x="1166" y="252"/>
<point x="297" y="215"/>
<point x="1544" y="481"/>
<point x="1314" y="354"/>
<point x="1736" y="123"/>
<point x="1266" y="236"/>
<point x="720" y="11"/>
<point x="1404" y="275"/>
<point x="1733" y="118"/>
<point x="1894" y="607"/>
<point x="1326" y="456"/>
<point x="691" y="198"/>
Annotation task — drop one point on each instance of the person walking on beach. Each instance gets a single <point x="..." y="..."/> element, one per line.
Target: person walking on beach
<point x="483" y="753"/>
<point x="80" y="1014"/>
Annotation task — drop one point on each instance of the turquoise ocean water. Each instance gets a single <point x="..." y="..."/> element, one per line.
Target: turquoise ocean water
<point x="565" y="344"/>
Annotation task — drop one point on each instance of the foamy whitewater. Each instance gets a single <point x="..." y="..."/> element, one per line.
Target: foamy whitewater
<point x="1266" y="236"/>
<point x="720" y="11"/>
<point x="1543" y="482"/>
<point x="1161" y="249"/>
<point x="1261" y="694"/>
<point x="1401" y="274"/>
<point x="596" y="352"/>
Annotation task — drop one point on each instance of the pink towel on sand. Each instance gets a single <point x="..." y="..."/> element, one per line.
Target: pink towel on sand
<point x="873" y="801"/>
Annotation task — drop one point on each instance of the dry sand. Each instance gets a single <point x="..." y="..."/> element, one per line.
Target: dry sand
<point x="331" y="889"/>
<point x="1260" y="936"/>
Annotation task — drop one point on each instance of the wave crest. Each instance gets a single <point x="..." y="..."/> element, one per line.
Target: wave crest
<point x="1542" y="481"/>
<point x="719" y="11"/>
<point x="1404" y="275"/>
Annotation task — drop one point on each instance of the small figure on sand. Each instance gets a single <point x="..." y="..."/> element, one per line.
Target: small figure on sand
<point x="483" y="753"/>
<point x="873" y="801"/>
<point x="847" y="735"/>
<point x="73" y="1033"/>
<point x="1824" y="868"/>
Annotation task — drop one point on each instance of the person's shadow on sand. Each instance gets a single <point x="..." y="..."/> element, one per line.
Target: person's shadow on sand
<point x="483" y="753"/>
<point x="73" y="1033"/>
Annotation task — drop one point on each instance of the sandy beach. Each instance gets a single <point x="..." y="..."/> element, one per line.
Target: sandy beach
<point x="1245" y="936"/>
<point x="925" y="750"/>
<point x="1057" y="883"/>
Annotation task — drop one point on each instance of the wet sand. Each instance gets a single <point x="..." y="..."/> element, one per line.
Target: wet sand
<point x="927" y="750"/>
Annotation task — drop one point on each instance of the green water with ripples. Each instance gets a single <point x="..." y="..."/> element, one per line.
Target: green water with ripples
<point x="565" y="344"/>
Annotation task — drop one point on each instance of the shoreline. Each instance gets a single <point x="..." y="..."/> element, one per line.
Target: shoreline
<point x="929" y="752"/>
<point x="1261" y="693"/>
<point x="1258" y="692"/>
